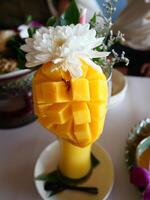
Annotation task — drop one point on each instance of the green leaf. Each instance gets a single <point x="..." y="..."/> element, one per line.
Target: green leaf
<point x="93" y="19"/>
<point x="14" y="47"/>
<point x="31" y="31"/>
<point x="52" y="21"/>
<point x="57" y="187"/>
<point x="94" y="160"/>
<point x="53" y="177"/>
<point x="21" y="59"/>
<point x="57" y="176"/>
<point x="28" y="19"/>
<point x="72" y="15"/>
<point x="55" y="182"/>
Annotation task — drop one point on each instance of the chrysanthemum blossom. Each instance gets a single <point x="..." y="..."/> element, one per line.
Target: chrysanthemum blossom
<point x="64" y="46"/>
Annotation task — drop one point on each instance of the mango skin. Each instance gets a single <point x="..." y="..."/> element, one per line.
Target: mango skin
<point x="72" y="108"/>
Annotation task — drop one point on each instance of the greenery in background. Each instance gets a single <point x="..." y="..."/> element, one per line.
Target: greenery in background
<point x="14" y="48"/>
<point x="102" y="24"/>
<point x="109" y="8"/>
<point x="70" y="16"/>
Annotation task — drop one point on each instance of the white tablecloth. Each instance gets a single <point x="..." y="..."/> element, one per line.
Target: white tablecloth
<point x="20" y="148"/>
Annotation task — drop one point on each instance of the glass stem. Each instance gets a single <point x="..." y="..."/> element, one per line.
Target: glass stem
<point x="75" y="162"/>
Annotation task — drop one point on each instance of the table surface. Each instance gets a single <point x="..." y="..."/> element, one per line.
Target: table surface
<point x="20" y="148"/>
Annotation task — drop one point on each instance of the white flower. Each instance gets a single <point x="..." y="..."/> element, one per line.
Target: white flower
<point x="23" y="31"/>
<point x="64" y="46"/>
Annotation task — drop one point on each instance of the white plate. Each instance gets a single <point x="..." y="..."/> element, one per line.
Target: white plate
<point x="119" y="88"/>
<point x="102" y="176"/>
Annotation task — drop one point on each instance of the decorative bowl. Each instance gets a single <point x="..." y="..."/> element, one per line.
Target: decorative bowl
<point x="16" y="99"/>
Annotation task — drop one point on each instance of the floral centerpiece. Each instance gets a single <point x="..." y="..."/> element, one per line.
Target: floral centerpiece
<point x="101" y="23"/>
<point x="70" y="89"/>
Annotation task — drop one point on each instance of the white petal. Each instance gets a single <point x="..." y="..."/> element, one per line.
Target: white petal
<point x="75" y="71"/>
<point x="74" y="66"/>
<point x="42" y="57"/>
<point x="58" y="60"/>
<point x="97" y="42"/>
<point x="27" y="48"/>
<point x="98" y="54"/>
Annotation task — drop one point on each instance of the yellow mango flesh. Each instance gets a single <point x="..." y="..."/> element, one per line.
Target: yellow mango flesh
<point x="72" y="108"/>
<point x="100" y="90"/>
<point x="98" y="111"/>
<point x="83" y="134"/>
<point x="58" y="113"/>
<point x="51" y="92"/>
<point x="80" y="110"/>
<point x="77" y="86"/>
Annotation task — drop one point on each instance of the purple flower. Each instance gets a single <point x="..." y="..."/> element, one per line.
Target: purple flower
<point x="146" y="195"/>
<point x="35" y="24"/>
<point x="140" y="177"/>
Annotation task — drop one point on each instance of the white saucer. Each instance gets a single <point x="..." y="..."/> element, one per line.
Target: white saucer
<point x="119" y="88"/>
<point x="102" y="176"/>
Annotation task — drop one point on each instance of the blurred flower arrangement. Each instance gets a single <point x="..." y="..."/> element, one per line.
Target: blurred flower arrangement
<point x="139" y="174"/>
<point x="103" y="26"/>
<point x="99" y="23"/>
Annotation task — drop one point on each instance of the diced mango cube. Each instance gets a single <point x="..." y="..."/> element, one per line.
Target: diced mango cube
<point x="39" y="77"/>
<point x="58" y="113"/>
<point x="93" y="74"/>
<point x="51" y="92"/>
<point x="98" y="90"/>
<point x="45" y="122"/>
<point x="51" y="75"/>
<point x="65" y="130"/>
<point x="83" y="134"/>
<point x="56" y="92"/>
<point x="38" y="95"/>
<point x="41" y="109"/>
<point x="80" y="89"/>
<point x="97" y="128"/>
<point x="97" y="110"/>
<point x="65" y="75"/>
<point x="54" y="75"/>
<point x="81" y="113"/>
